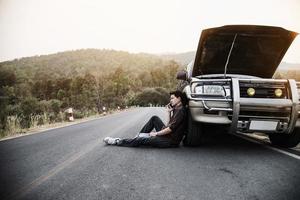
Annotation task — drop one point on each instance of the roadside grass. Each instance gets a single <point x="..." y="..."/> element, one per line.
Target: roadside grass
<point x="46" y="121"/>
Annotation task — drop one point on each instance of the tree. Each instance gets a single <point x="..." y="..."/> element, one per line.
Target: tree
<point x="7" y="80"/>
<point x="7" y="77"/>
<point x="29" y="107"/>
<point x="156" y="96"/>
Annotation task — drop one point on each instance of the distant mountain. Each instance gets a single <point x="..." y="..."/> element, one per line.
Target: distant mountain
<point x="97" y="61"/>
<point x="77" y="62"/>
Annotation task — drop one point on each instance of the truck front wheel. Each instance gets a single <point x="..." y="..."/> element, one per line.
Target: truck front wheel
<point x="286" y="140"/>
<point x="194" y="133"/>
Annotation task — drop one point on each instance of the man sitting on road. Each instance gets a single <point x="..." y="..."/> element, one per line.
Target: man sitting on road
<point x="165" y="136"/>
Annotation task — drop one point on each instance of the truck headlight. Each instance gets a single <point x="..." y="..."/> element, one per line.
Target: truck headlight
<point x="278" y="92"/>
<point x="210" y="90"/>
<point x="251" y="92"/>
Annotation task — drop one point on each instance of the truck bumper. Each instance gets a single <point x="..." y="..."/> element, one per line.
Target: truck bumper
<point x="249" y="114"/>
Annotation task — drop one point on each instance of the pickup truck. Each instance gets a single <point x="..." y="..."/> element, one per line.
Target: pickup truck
<point x="230" y="85"/>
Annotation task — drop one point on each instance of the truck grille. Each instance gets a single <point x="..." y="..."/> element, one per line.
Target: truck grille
<point x="263" y="90"/>
<point x="283" y="115"/>
<point x="247" y="115"/>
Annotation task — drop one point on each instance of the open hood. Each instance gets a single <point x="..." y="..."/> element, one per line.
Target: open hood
<point x="255" y="50"/>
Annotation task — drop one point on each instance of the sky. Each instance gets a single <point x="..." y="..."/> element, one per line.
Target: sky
<point x="38" y="27"/>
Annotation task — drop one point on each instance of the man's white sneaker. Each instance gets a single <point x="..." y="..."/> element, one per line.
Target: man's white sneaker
<point x="110" y="140"/>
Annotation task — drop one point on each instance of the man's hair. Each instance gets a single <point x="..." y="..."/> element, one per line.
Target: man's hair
<point x="180" y="94"/>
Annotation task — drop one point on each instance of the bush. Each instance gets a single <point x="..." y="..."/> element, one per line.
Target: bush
<point x="154" y="96"/>
<point x="45" y="106"/>
<point x="78" y="114"/>
<point x="55" y="105"/>
<point x="29" y="107"/>
<point x="40" y="121"/>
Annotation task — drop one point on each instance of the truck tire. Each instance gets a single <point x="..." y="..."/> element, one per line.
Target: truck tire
<point x="194" y="133"/>
<point x="286" y="140"/>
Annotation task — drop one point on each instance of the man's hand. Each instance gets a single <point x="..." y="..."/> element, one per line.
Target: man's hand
<point x="169" y="108"/>
<point x="153" y="133"/>
<point x="161" y="132"/>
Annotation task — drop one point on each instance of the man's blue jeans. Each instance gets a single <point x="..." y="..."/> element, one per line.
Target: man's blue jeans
<point x="154" y="141"/>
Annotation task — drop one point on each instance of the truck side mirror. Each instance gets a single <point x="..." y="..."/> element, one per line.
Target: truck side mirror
<point x="181" y="75"/>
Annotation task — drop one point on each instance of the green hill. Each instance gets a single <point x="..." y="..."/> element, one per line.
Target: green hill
<point x="74" y="63"/>
<point x="36" y="90"/>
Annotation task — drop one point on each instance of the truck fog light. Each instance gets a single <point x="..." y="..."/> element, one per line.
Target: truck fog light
<point x="278" y="92"/>
<point x="251" y="92"/>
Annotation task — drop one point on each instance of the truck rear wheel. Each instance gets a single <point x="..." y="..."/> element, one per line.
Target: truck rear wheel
<point x="286" y="140"/>
<point x="194" y="133"/>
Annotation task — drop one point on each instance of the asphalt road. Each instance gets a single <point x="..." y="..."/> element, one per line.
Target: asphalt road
<point x="74" y="163"/>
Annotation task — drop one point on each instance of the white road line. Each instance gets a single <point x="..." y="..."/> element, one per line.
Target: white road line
<point x="267" y="146"/>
